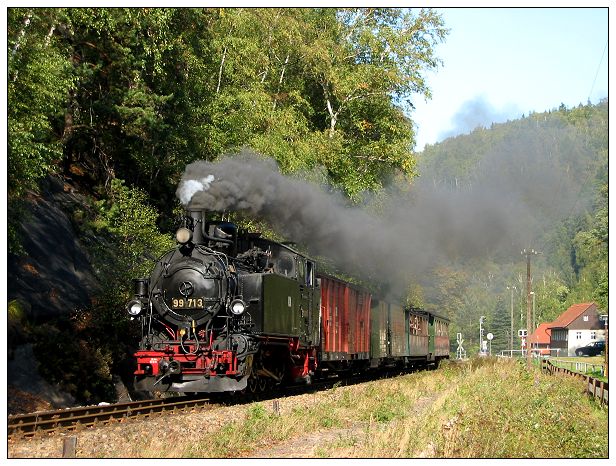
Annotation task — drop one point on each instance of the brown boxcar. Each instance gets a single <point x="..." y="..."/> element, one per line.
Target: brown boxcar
<point x="345" y="320"/>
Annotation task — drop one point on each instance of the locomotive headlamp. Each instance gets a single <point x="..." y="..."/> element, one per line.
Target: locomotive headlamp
<point x="238" y="307"/>
<point x="134" y="307"/>
<point x="183" y="235"/>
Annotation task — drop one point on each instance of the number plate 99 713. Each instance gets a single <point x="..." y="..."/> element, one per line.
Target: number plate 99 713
<point x="187" y="303"/>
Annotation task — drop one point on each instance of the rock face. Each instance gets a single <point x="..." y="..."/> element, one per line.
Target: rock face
<point x="22" y="372"/>
<point x="55" y="276"/>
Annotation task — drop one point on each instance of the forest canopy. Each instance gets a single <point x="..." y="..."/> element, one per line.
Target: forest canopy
<point x="137" y="94"/>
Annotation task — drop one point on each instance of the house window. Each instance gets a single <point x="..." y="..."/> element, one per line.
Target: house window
<point x="559" y="335"/>
<point x="585" y="318"/>
<point x="593" y="335"/>
<point x="578" y="335"/>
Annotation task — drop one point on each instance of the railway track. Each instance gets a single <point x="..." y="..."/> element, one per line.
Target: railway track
<point x="50" y="421"/>
<point x="20" y="425"/>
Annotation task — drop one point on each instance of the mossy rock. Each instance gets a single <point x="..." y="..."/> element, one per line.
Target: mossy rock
<point x="18" y="312"/>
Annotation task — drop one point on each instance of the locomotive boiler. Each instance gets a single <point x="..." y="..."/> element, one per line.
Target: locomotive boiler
<point x="227" y="310"/>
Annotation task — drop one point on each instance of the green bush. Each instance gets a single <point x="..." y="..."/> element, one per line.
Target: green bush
<point x="69" y="357"/>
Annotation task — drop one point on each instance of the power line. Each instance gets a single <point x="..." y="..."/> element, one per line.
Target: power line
<point x="598" y="68"/>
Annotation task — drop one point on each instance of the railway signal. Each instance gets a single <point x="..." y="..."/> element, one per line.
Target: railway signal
<point x="482" y="351"/>
<point x="461" y="352"/>
<point x="528" y="253"/>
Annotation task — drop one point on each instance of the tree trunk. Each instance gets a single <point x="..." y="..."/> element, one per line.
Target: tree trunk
<point x="284" y="67"/>
<point x="222" y="63"/>
<point x="21" y="35"/>
<point x="333" y="119"/>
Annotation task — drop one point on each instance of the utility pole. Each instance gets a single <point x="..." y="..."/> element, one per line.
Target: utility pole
<point x="533" y="329"/>
<point x="528" y="253"/>
<point x="481" y="334"/>
<point x="604" y="318"/>
<point x="607" y="359"/>
<point x="534" y="323"/>
<point x="512" y="287"/>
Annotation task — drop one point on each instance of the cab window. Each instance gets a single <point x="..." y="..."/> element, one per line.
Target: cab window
<point x="309" y="273"/>
<point x="285" y="264"/>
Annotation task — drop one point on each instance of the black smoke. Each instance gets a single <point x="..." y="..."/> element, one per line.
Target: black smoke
<point x="521" y="186"/>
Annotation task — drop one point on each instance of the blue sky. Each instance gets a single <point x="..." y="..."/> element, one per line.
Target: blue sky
<point x="501" y="63"/>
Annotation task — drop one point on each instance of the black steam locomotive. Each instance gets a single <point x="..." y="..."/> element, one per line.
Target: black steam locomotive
<point x="227" y="310"/>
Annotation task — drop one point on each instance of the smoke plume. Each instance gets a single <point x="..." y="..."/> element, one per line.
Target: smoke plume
<point x="515" y="191"/>
<point x="478" y="112"/>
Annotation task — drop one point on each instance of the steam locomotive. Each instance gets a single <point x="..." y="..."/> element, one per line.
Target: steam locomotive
<point x="227" y="310"/>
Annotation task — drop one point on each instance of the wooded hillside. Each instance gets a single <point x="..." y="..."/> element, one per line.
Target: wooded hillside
<point x="549" y="173"/>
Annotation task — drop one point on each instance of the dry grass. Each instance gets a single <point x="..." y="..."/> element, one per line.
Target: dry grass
<point x="485" y="409"/>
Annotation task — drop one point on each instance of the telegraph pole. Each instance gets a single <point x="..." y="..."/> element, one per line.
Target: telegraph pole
<point x="604" y="318"/>
<point x="511" y="334"/>
<point x="607" y="359"/>
<point x="481" y="334"/>
<point x="528" y="253"/>
<point x="533" y="329"/>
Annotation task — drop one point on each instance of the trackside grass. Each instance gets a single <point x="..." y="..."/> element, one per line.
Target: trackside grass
<point x="481" y="409"/>
<point x="496" y="409"/>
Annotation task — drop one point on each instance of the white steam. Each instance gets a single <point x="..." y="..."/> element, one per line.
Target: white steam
<point x="188" y="188"/>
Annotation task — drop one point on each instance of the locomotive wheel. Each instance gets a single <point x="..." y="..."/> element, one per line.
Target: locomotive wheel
<point x="253" y="385"/>
<point x="262" y="384"/>
<point x="257" y="385"/>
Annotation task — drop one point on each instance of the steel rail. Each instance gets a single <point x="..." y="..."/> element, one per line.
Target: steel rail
<point x="49" y="421"/>
<point x="71" y="418"/>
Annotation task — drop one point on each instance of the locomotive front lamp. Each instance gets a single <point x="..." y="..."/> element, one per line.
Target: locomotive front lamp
<point x="134" y="307"/>
<point x="183" y="235"/>
<point x="238" y="307"/>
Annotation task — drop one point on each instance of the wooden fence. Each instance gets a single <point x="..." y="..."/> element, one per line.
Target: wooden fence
<point x="594" y="387"/>
<point x="576" y="366"/>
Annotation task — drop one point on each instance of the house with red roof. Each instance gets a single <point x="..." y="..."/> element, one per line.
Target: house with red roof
<point x="540" y="339"/>
<point x="576" y="327"/>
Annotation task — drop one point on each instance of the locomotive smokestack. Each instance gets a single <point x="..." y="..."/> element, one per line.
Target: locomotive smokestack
<point x="197" y="216"/>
